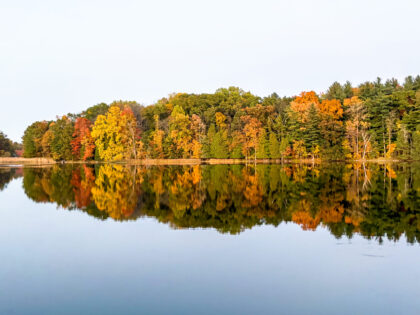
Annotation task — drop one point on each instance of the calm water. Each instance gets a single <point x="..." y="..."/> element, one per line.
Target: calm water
<point x="294" y="239"/>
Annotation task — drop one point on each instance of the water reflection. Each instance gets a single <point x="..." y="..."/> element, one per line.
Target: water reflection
<point x="374" y="200"/>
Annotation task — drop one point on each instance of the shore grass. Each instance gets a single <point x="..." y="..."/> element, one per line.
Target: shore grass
<point x="49" y="161"/>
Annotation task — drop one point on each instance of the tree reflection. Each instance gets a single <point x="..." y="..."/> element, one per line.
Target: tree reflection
<point x="374" y="200"/>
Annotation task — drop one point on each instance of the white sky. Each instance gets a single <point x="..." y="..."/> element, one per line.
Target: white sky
<point x="64" y="56"/>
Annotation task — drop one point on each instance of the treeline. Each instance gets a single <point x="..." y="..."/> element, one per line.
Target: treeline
<point x="373" y="120"/>
<point x="8" y="148"/>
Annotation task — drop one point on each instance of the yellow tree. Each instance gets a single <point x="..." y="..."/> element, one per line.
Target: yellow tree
<point x="180" y="133"/>
<point x="130" y="132"/>
<point x="252" y="130"/>
<point x="114" y="135"/>
<point x="198" y="128"/>
<point x="156" y="142"/>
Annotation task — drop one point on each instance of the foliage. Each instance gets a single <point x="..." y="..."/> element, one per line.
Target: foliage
<point x="373" y="120"/>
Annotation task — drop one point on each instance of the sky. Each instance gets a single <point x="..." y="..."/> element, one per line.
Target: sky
<point x="58" y="57"/>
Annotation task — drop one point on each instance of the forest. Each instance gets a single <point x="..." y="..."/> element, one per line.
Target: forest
<point x="374" y="120"/>
<point x="8" y="148"/>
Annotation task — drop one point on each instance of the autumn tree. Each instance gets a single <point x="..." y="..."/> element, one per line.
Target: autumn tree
<point x="83" y="145"/>
<point x="114" y="136"/>
<point x="302" y="103"/>
<point x="198" y="129"/>
<point x="252" y="130"/>
<point x="32" y="139"/>
<point x="156" y="142"/>
<point x="180" y="134"/>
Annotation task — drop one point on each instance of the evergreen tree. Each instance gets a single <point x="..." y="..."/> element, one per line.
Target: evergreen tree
<point x="335" y="91"/>
<point x="284" y="144"/>
<point x="415" y="155"/>
<point x="348" y="90"/>
<point x="207" y="152"/>
<point x="218" y="146"/>
<point x="403" y="142"/>
<point x="312" y="134"/>
<point x="263" y="151"/>
<point x="274" y="146"/>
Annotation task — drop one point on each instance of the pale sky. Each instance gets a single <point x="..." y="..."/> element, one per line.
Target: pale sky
<point x="64" y="56"/>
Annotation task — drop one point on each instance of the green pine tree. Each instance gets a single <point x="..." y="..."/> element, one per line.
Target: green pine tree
<point x="263" y="146"/>
<point x="312" y="134"/>
<point x="218" y="147"/>
<point x="415" y="154"/>
<point x="206" y="150"/>
<point x="274" y="146"/>
<point x="403" y="142"/>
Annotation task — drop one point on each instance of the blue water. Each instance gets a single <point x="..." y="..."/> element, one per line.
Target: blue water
<point x="65" y="262"/>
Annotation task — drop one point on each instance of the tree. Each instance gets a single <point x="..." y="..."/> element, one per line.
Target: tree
<point x="299" y="149"/>
<point x="312" y="135"/>
<point x="156" y="142"/>
<point x="252" y="130"/>
<point x="331" y="128"/>
<point x="62" y="134"/>
<point x="403" y="142"/>
<point x="94" y="111"/>
<point x="32" y="138"/>
<point x="83" y="145"/>
<point x="207" y="142"/>
<point x="274" y="146"/>
<point x="46" y="143"/>
<point x="6" y="146"/>
<point x="336" y="91"/>
<point x="416" y="144"/>
<point x="263" y="150"/>
<point x="197" y="128"/>
<point x="219" y="146"/>
<point x="284" y="147"/>
<point x="302" y="103"/>
<point x="130" y="132"/>
<point x="354" y="125"/>
<point x="180" y="134"/>
<point x="112" y="135"/>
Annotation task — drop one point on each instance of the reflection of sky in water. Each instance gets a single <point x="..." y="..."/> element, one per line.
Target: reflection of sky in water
<point x="67" y="262"/>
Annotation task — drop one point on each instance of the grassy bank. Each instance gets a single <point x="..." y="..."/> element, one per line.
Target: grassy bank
<point x="29" y="161"/>
<point x="48" y="161"/>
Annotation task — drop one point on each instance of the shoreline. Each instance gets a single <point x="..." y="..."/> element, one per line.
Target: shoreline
<point x="16" y="161"/>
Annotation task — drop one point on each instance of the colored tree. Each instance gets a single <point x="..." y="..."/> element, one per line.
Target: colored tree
<point x="156" y="142"/>
<point x="180" y="134"/>
<point x="83" y="145"/>
<point x="252" y="130"/>
<point x="302" y="103"/>
<point x="113" y="136"/>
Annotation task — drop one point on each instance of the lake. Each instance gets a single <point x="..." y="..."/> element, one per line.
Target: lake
<point x="226" y="239"/>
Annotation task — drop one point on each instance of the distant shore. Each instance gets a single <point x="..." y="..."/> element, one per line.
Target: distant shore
<point x="49" y="161"/>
